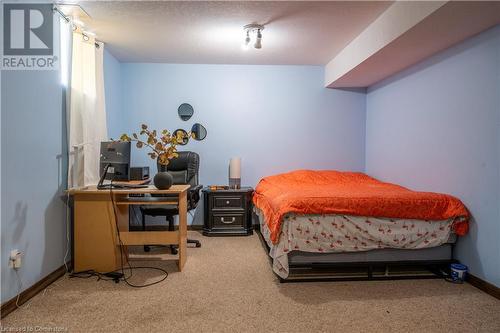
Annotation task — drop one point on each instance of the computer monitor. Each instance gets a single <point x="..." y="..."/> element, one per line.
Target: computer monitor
<point x="117" y="156"/>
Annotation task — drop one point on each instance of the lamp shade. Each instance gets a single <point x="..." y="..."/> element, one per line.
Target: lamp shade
<point x="235" y="167"/>
<point x="235" y="172"/>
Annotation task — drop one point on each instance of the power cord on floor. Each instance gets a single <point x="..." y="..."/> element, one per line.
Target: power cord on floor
<point x="124" y="277"/>
<point x="110" y="276"/>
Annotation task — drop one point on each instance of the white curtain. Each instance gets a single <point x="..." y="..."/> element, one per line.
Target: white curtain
<point x="87" y="111"/>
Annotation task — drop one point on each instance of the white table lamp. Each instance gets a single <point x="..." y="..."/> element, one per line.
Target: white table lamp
<point x="235" y="172"/>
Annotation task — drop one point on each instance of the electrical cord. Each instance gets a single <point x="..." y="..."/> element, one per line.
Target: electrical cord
<point x="68" y="242"/>
<point x="19" y="288"/>
<point x="27" y="302"/>
<point x="19" y="281"/>
<point x="91" y="273"/>
<point x="125" y="278"/>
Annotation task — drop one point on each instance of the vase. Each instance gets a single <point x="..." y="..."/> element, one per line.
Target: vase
<point x="163" y="180"/>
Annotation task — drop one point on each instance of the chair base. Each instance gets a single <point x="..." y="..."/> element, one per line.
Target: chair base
<point x="194" y="241"/>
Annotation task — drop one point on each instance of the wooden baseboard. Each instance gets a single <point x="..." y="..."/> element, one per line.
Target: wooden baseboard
<point x="483" y="285"/>
<point x="29" y="293"/>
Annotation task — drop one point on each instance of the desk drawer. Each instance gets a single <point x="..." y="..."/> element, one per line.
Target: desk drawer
<point x="228" y="202"/>
<point x="226" y="221"/>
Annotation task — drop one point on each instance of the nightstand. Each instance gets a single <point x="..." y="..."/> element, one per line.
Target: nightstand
<point x="228" y="212"/>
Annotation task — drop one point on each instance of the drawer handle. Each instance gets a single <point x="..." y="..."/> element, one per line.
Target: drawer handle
<point x="228" y="202"/>
<point x="228" y="222"/>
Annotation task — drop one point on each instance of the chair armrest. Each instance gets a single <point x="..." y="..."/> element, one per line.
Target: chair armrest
<point x="196" y="188"/>
<point x="193" y="196"/>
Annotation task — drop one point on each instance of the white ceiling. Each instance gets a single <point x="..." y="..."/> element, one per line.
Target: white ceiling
<point x="211" y="32"/>
<point x="404" y="40"/>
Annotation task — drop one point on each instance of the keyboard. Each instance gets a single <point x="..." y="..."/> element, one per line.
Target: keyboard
<point x="130" y="186"/>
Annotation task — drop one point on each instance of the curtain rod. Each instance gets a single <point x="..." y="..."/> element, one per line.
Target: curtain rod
<point x="68" y="20"/>
<point x="57" y="10"/>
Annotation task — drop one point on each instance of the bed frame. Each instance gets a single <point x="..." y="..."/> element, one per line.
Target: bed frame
<point x="384" y="264"/>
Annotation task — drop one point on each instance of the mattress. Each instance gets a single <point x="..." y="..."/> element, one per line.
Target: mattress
<point x="350" y="194"/>
<point x="349" y="235"/>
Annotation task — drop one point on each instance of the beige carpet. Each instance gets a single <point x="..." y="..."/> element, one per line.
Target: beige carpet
<point x="228" y="286"/>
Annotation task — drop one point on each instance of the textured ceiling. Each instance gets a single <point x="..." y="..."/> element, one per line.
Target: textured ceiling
<point x="211" y="32"/>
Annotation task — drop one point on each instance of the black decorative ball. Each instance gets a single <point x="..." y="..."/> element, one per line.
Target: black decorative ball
<point x="163" y="180"/>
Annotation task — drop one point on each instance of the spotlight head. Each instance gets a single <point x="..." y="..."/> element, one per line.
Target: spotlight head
<point x="244" y="46"/>
<point x="258" y="40"/>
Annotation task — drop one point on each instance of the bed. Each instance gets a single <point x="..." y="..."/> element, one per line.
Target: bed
<point x="317" y="219"/>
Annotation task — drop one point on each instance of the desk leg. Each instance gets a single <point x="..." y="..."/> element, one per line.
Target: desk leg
<point x="182" y="229"/>
<point x="95" y="245"/>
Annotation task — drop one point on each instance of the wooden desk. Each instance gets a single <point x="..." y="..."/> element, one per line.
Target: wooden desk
<point x="95" y="231"/>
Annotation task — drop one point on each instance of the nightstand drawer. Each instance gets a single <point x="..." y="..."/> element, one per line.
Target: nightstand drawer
<point x="226" y="221"/>
<point x="228" y="202"/>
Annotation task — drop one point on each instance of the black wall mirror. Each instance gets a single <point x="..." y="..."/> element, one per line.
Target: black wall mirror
<point x="185" y="111"/>
<point x="185" y="139"/>
<point x="199" y="132"/>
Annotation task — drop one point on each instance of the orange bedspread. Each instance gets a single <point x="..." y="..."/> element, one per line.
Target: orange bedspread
<point x="350" y="193"/>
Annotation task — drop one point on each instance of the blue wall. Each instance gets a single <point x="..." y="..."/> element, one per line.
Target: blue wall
<point x="112" y="90"/>
<point x="33" y="176"/>
<point x="436" y="127"/>
<point x="276" y="118"/>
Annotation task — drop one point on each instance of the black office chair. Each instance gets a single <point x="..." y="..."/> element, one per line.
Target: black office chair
<point x="184" y="169"/>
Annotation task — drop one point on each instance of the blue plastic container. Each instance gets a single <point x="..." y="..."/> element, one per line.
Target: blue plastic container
<point x="458" y="272"/>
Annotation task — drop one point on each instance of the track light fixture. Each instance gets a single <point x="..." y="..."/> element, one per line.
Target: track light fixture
<point x="255" y="31"/>
<point x="258" y="40"/>
<point x="247" y="41"/>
